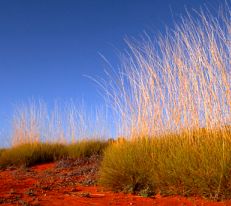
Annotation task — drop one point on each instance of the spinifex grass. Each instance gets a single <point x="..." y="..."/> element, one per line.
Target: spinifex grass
<point x="188" y="164"/>
<point x="31" y="154"/>
<point x="173" y="102"/>
<point x="1" y="151"/>
<point x="33" y="122"/>
<point x="173" y="99"/>
<point x="86" y="148"/>
<point x="178" y="81"/>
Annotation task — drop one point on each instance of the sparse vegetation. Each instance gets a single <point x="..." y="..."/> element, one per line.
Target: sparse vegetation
<point x="33" y="123"/>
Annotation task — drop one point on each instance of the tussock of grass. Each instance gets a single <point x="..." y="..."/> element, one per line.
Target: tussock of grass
<point x="126" y="166"/>
<point x="175" y="81"/>
<point x="86" y="148"/>
<point x="1" y="151"/>
<point x="168" y="88"/>
<point x="31" y="154"/>
<point x="195" y="163"/>
<point x="33" y="122"/>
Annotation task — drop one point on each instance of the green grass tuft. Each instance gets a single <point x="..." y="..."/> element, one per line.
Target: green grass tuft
<point x="126" y="166"/>
<point x="1" y="151"/>
<point x="86" y="148"/>
<point x="196" y="163"/>
<point x="31" y="154"/>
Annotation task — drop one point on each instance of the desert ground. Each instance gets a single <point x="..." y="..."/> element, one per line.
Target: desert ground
<point x="74" y="182"/>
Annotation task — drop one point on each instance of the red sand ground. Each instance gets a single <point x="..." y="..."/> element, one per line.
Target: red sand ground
<point x="50" y="185"/>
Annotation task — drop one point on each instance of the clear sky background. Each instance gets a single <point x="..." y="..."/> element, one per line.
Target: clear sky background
<point x="47" y="46"/>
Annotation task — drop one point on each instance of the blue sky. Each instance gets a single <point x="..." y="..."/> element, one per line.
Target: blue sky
<point x="47" y="46"/>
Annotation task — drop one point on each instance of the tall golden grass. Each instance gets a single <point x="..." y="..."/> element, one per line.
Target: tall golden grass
<point x="176" y="81"/>
<point x="33" y="123"/>
<point x="42" y="135"/>
<point x="173" y="97"/>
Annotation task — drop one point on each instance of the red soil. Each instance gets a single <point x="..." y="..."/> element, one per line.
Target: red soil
<point x="50" y="185"/>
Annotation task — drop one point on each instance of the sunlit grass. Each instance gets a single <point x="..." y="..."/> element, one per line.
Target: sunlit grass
<point x="35" y="153"/>
<point x="40" y="136"/>
<point x="173" y="101"/>
<point x="176" y="81"/>
<point x="31" y="154"/>
<point x="197" y="164"/>
<point x="172" y="104"/>
<point x="33" y="122"/>
<point x="1" y="151"/>
<point x="86" y="148"/>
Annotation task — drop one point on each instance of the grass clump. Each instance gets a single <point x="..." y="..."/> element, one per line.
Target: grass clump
<point x="195" y="163"/>
<point x="31" y="154"/>
<point x="172" y="99"/>
<point x="1" y="151"/>
<point x="126" y="166"/>
<point x="86" y="148"/>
